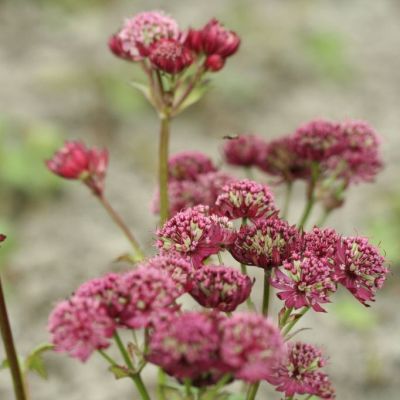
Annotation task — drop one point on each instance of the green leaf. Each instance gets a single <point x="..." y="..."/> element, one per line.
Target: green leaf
<point x="145" y="90"/>
<point x="4" y="364"/>
<point x="120" y="372"/>
<point x="34" y="361"/>
<point x="195" y="95"/>
<point x="172" y="393"/>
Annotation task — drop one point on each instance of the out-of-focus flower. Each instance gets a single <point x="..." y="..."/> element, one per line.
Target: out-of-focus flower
<point x="245" y="199"/>
<point x="195" y="234"/>
<point x="80" y="326"/>
<point x="214" y="63"/>
<point x="178" y="268"/>
<point x="75" y="161"/>
<point x="2" y="237"/>
<point x="141" y="31"/>
<point x="243" y="150"/>
<point x="318" y="140"/>
<point x="188" y="165"/>
<point x="251" y="346"/>
<point x="278" y="158"/>
<point x="170" y="56"/>
<point x="186" y="346"/>
<point x="115" y="44"/>
<point x="360" y="268"/>
<point x="266" y="244"/>
<point x="220" y="287"/>
<point x="299" y="374"/>
<point x="304" y="282"/>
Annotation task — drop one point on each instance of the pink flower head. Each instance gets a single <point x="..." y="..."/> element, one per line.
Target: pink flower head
<point x="80" y="326"/>
<point x="186" y="346"/>
<point x="278" y="158"/>
<point x="214" y="39"/>
<point x="76" y="161"/>
<point x="360" y="160"/>
<point x="321" y="243"/>
<point x="245" y="199"/>
<point x="251" y="346"/>
<point x="142" y="30"/>
<point x="169" y="55"/>
<point x="178" y="268"/>
<point x="304" y="282"/>
<point x="299" y="374"/>
<point x="243" y="150"/>
<point x="195" y="234"/>
<point x="149" y="291"/>
<point x="360" y="268"/>
<point x="220" y="287"/>
<point x="188" y="165"/>
<point x="266" y="244"/>
<point x="115" y="44"/>
<point x="317" y="140"/>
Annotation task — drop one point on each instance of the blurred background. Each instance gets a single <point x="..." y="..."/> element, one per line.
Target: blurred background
<point x="299" y="59"/>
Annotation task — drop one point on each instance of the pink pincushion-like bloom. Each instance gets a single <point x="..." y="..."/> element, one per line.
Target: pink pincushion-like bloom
<point x="170" y="56"/>
<point x="360" y="160"/>
<point x="195" y="234"/>
<point x="278" y="158"/>
<point x="317" y="140"/>
<point x="143" y="29"/>
<point x="186" y="346"/>
<point x="251" y="346"/>
<point x="266" y="244"/>
<point x="243" y="150"/>
<point x="80" y="326"/>
<point x="188" y="165"/>
<point x="360" y="268"/>
<point x="245" y="199"/>
<point x="299" y="374"/>
<point x="304" y="282"/>
<point x="178" y="268"/>
<point x="220" y="287"/>
<point x="75" y="161"/>
<point x="321" y="242"/>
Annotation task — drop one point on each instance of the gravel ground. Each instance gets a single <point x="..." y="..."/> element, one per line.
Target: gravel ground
<point x="55" y="72"/>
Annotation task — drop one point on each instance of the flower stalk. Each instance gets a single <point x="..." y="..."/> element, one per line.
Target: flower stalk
<point x="163" y="167"/>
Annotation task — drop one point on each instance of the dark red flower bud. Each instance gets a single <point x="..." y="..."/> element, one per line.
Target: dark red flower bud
<point x="170" y="56"/>
<point x="116" y="47"/>
<point x="214" y="62"/>
<point x="216" y="39"/>
<point x="193" y="40"/>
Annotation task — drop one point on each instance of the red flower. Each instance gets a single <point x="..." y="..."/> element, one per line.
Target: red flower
<point x="115" y="44"/>
<point x="214" y="62"/>
<point x="170" y="56"/>
<point x="188" y="165"/>
<point x="243" y="150"/>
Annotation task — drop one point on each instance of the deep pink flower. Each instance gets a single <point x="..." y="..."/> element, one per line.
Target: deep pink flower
<point x="299" y="374"/>
<point x="360" y="268"/>
<point x="195" y="234"/>
<point x="304" y="282"/>
<point x="251" y="346"/>
<point x="243" y="150"/>
<point x="80" y="326"/>
<point x="169" y="55"/>
<point x="115" y="44"/>
<point x="245" y="199"/>
<point x="178" y="268"/>
<point x="317" y="140"/>
<point x="188" y="165"/>
<point x="76" y="161"/>
<point x="266" y="244"/>
<point x="360" y="160"/>
<point x="320" y="242"/>
<point x="220" y="287"/>
<point x="143" y="29"/>
<point x="186" y="346"/>
<point x="214" y="63"/>
<point x="278" y="158"/>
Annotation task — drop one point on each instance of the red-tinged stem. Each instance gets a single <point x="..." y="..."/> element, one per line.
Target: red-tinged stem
<point x="163" y="168"/>
<point x="8" y="341"/>
<point x="139" y="255"/>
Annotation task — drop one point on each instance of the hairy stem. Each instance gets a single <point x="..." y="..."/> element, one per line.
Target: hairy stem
<point x="8" y="341"/>
<point x="121" y="224"/>
<point x="163" y="168"/>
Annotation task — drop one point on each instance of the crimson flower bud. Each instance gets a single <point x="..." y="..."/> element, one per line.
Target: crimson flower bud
<point x="214" y="63"/>
<point x="170" y="56"/>
<point x="193" y="40"/>
<point x="116" y="46"/>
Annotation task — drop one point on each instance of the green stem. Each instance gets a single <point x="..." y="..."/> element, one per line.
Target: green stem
<point x="265" y="303"/>
<point x="252" y="392"/>
<point x="139" y="255"/>
<point x="289" y="327"/>
<point x="212" y="393"/>
<point x="160" y="384"/>
<point x="285" y="317"/>
<point x="288" y="197"/>
<point x="163" y="168"/>
<point x="135" y="377"/>
<point x="310" y="195"/>
<point x="188" y="388"/>
<point x="8" y="341"/>
<point x="324" y="217"/>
